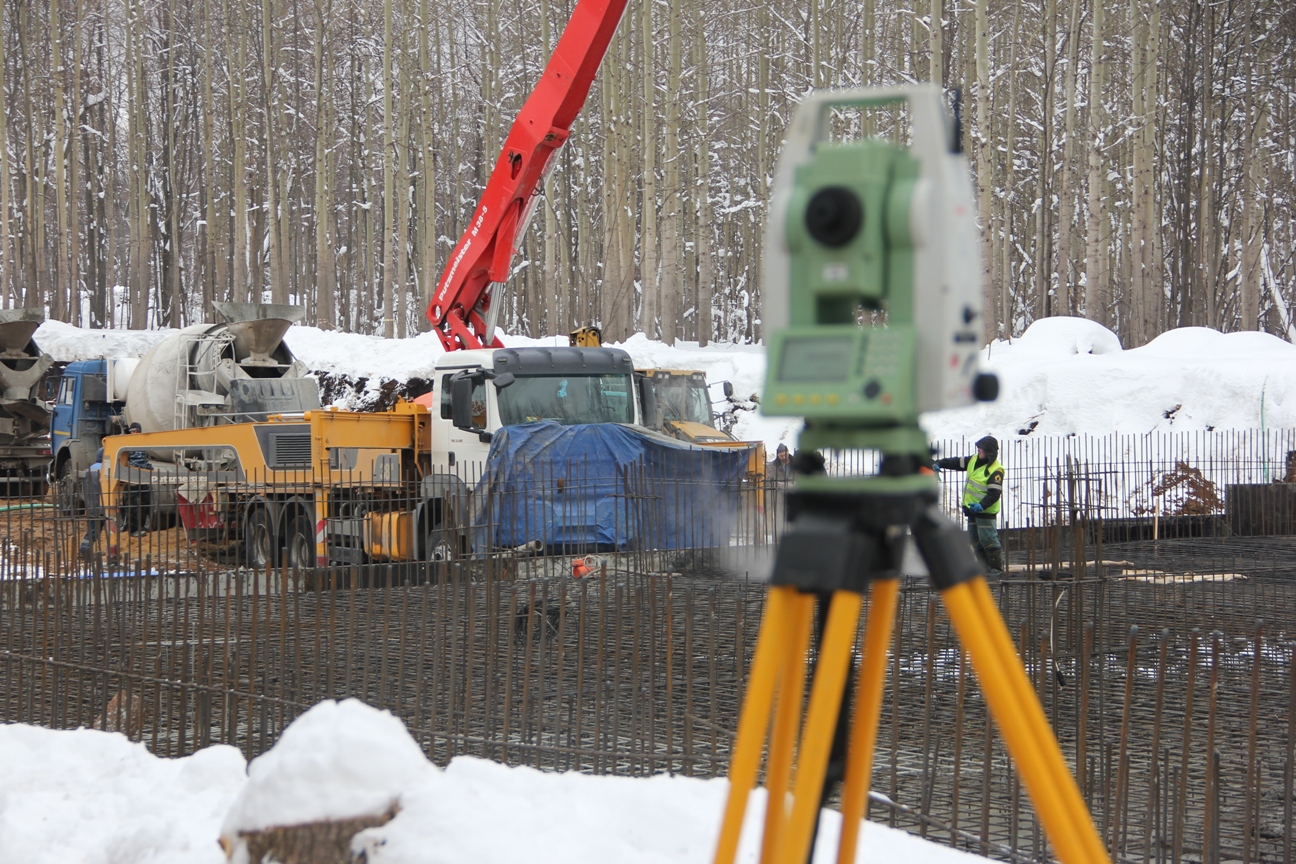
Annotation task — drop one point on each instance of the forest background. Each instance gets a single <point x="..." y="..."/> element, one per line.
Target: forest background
<point x="1135" y="161"/>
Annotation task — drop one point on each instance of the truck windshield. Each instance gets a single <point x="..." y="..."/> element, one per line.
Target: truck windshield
<point x="567" y="399"/>
<point x="681" y="399"/>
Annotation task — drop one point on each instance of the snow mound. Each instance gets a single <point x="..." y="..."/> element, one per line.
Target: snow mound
<point x="88" y="797"/>
<point x="1067" y="376"/>
<point x="66" y="343"/>
<point x="337" y="761"/>
<point x="1064" y="337"/>
<point x="569" y="818"/>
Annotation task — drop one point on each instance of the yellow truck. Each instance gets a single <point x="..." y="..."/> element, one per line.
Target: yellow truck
<point x="325" y="487"/>
<point x="328" y="487"/>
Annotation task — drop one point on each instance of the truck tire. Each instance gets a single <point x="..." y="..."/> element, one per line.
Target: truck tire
<point x="259" y="545"/>
<point x="439" y="543"/>
<point x="301" y="543"/>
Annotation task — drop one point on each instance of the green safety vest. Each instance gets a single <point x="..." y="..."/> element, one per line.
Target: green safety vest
<point x="978" y="482"/>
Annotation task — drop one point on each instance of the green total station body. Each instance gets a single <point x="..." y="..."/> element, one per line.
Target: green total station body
<point x="866" y="226"/>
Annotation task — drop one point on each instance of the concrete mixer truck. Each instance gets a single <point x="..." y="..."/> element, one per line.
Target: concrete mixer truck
<point x="24" y="415"/>
<point x="235" y="371"/>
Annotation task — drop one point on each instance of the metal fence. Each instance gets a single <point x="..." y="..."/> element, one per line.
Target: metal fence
<point x="1181" y="731"/>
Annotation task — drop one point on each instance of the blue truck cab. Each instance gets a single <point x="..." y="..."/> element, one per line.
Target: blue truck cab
<point x="84" y="413"/>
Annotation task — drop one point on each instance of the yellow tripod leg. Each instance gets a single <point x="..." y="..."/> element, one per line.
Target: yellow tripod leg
<point x="1022" y="723"/>
<point x="771" y="646"/>
<point x="820" y="724"/>
<point x="1047" y="742"/>
<point x="868" y="707"/>
<point x="787" y="714"/>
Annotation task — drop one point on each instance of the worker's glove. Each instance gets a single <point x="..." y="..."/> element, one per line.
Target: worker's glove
<point x="975" y="507"/>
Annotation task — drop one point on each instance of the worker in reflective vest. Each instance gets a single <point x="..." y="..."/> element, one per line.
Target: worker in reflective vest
<point x="982" y="497"/>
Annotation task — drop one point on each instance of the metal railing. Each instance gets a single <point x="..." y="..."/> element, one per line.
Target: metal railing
<point x="1182" y="731"/>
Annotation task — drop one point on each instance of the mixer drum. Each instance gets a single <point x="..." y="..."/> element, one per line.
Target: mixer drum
<point x="186" y="379"/>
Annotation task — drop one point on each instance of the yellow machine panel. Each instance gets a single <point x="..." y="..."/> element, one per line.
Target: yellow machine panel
<point x="389" y="536"/>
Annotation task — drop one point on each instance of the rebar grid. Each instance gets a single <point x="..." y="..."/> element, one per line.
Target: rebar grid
<point x="629" y="673"/>
<point x="1183" y="732"/>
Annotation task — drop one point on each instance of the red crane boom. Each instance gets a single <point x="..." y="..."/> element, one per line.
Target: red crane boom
<point x="460" y="308"/>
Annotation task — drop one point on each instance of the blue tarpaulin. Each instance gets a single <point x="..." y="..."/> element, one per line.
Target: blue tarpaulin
<point x="605" y="486"/>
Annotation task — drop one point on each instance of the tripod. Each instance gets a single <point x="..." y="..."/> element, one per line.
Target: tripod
<point x="839" y="544"/>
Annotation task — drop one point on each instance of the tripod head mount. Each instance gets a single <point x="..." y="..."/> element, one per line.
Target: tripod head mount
<point x="867" y="226"/>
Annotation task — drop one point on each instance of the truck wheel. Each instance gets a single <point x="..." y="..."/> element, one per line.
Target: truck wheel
<point x="301" y="543"/>
<point x="439" y="543"/>
<point x="258" y="539"/>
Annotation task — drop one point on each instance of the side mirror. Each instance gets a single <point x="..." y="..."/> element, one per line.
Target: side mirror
<point x="461" y="413"/>
<point x="504" y="379"/>
<point x="727" y="387"/>
<point x="648" y="398"/>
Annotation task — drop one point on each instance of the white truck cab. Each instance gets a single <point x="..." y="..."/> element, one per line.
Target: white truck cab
<point x="477" y="392"/>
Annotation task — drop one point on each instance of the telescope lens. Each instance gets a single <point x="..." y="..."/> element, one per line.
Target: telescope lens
<point x="834" y="216"/>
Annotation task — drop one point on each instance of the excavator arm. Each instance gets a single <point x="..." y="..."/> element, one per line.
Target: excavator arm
<point x="461" y="307"/>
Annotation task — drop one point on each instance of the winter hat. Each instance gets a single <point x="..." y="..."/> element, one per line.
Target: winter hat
<point x="782" y="448"/>
<point x="990" y="445"/>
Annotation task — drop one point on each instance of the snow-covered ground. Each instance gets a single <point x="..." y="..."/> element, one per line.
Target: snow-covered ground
<point x="87" y="797"/>
<point x="1063" y="376"/>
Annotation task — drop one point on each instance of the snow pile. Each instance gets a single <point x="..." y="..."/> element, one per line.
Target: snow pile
<point x="1063" y="376"/>
<point x="1068" y="376"/>
<point x="88" y="797"/>
<point x="529" y="815"/>
<point x="337" y="761"/>
<point x="68" y="797"/>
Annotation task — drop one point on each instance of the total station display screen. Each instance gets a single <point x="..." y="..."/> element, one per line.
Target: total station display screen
<point x="810" y="359"/>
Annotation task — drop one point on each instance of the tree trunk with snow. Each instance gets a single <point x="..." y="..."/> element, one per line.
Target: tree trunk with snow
<point x="1096" y="278"/>
<point x="1066" y="299"/>
<point x="984" y="173"/>
<point x="648" y="261"/>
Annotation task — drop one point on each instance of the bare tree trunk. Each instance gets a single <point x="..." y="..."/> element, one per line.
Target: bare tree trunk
<point x="325" y="299"/>
<point x="173" y="117"/>
<point x="1043" y="179"/>
<point x="1206" y="229"/>
<point x="609" y="291"/>
<point x="108" y="112"/>
<point x="936" y="44"/>
<point x="984" y="173"/>
<point x="140" y="221"/>
<point x="60" y="296"/>
<point x="242" y="287"/>
<point x="671" y="256"/>
<point x="648" y="261"/>
<point x="401" y="154"/>
<point x="214" y="232"/>
<point x="1252" y="219"/>
<point x="8" y="293"/>
<point x="1007" y="279"/>
<point x="1096" y="293"/>
<point x="389" y="146"/>
<point x="274" y="242"/>
<point x="427" y="276"/>
<point x="1066" y="301"/>
<point x="706" y="262"/>
<point x="74" y="174"/>
<point x="1154" y="298"/>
